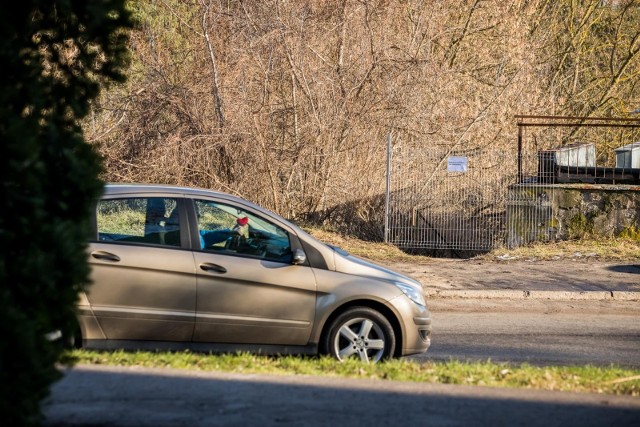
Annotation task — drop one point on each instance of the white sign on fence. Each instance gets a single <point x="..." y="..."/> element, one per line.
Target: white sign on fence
<point x="457" y="164"/>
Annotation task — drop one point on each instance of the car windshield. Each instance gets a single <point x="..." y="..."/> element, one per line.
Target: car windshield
<point x="339" y="250"/>
<point x="256" y="222"/>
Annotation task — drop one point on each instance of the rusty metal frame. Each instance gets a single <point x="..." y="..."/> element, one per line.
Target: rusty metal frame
<point x="575" y="121"/>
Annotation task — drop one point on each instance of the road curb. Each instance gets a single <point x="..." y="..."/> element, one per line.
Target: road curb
<point x="535" y="295"/>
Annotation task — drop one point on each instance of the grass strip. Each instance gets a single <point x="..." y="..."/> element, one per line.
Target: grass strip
<point x="584" y="379"/>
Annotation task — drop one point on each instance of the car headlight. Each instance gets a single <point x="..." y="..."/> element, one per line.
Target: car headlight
<point x="414" y="294"/>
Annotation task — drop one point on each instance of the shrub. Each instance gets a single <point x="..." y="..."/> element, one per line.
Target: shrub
<point x="54" y="56"/>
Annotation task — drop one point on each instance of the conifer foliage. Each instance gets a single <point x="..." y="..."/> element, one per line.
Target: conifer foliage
<point x="54" y="55"/>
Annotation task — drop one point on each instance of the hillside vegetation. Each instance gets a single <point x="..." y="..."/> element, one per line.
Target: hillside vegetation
<point x="288" y="103"/>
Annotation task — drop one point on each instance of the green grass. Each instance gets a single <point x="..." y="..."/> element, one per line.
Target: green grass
<point x="592" y="379"/>
<point x="123" y="222"/>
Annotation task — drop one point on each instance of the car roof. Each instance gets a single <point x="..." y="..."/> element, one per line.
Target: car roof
<point x="126" y="188"/>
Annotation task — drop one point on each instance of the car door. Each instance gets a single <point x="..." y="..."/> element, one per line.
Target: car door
<point x="142" y="270"/>
<point x="248" y="289"/>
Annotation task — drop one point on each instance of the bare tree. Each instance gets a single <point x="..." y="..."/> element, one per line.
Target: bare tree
<point x="288" y="102"/>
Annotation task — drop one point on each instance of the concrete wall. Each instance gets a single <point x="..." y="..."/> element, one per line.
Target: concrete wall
<point x="568" y="211"/>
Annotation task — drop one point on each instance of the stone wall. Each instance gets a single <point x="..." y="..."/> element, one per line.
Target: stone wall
<point x="569" y="211"/>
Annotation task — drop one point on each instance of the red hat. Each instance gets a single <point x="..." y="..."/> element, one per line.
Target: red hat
<point x="243" y="221"/>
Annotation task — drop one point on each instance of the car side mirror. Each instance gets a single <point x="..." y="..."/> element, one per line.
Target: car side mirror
<point x="299" y="257"/>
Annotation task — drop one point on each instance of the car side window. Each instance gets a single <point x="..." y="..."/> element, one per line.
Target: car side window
<point x="230" y="230"/>
<point x="148" y="220"/>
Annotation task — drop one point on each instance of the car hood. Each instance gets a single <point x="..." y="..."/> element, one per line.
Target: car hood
<point x="349" y="264"/>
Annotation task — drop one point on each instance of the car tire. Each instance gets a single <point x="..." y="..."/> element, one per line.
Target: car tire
<point x="360" y="332"/>
<point x="72" y="339"/>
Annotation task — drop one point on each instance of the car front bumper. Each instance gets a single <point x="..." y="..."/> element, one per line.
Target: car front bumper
<point x="415" y="324"/>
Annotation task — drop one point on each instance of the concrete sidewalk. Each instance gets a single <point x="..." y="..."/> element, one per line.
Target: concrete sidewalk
<point x="566" y="279"/>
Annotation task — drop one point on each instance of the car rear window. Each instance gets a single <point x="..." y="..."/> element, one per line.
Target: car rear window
<point x="148" y="220"/>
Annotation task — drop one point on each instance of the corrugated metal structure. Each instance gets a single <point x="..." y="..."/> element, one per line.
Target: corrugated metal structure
<point x="628" y="156"/>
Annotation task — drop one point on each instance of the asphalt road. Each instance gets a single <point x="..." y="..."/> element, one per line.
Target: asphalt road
<point x="107" y="396"/>
<point x="546" y="334"/>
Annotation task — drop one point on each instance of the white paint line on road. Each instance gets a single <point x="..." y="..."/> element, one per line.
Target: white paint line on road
<point x="537" y="295"/>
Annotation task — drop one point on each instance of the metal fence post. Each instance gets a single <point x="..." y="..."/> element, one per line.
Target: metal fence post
<point x="519" y="153"/>
<point x="388" y="190"/>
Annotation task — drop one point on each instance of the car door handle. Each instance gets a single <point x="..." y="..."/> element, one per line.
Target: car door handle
<point x="105" y="256"/>
<point x="207" y="266"/>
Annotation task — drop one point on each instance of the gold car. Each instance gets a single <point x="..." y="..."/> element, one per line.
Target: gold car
<point x="177" y="268"/>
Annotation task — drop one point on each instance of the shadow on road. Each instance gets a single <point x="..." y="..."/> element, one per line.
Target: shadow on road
<point x="628" y="268"/>
<point x="119" y="397"/>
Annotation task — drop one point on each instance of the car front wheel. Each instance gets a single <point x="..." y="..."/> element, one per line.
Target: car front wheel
<point x="360" y="332"/>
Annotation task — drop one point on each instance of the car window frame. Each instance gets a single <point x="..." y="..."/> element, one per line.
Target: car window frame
<point x="190" y="203"/>
<point x="183" y="220"/>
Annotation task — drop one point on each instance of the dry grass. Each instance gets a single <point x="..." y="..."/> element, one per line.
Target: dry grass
<point x="607" y="250"/>
<point x="375" y="251"/>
